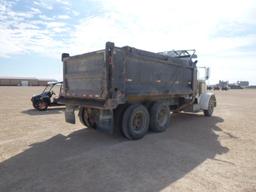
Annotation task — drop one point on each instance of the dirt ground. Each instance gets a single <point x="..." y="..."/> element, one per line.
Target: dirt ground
<point x="40" y="152"/>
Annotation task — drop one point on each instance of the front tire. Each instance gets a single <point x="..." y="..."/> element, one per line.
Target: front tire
<point x="210" y="109"/>
<point x="135" y="122"/>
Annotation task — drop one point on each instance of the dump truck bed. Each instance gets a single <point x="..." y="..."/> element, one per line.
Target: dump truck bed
<point x="153" y="74"/>
<point x="116" y="75"/>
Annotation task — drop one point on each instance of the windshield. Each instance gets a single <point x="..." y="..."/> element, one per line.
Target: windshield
<point x="53" y="87"/>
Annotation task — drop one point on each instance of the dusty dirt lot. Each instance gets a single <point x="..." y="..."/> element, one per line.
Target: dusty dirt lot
<point x="40" y="152"/>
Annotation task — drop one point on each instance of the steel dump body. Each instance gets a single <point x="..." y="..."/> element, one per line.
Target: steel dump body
<point x="113" y="76"/>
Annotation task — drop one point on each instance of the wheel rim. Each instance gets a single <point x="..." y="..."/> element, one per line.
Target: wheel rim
<point x="210" y="107"/>
<point x="36" y="105"/>
<point x="162" y="117"/>
<point x="42" y="105"/>
<point x="138" y="121"/>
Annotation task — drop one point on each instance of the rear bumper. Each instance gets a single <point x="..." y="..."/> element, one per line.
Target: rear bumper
<point x="74" y="103"/>
<point x="104" y="119"/>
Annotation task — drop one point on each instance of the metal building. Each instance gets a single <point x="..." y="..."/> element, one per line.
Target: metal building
<point x="24" y="81"/>
<point x="243" y="84"/>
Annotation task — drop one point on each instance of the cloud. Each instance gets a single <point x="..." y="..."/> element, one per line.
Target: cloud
<point x="216" y="29"/>
<point x="161" y="25"/>
<point x="35" y="10"/>
<point x="43" y="4"/>
<point x="164" y="24"/>
<point x="64" y="2"/>
<point x="30" y="30"/>
<point x="45" y="18"/>
<point x="63" y="17"/>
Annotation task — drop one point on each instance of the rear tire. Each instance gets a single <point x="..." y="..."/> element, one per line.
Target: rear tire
<point x="81" y="116"/>
<point x="35" y="104"/>
<point x="135" y="122"/>
<point x="40" y="105"/>
<point x="159" y="117"/>
<point x="86" y="118"/>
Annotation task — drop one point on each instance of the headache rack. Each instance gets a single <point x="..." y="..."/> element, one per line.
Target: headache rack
<point x="189" y="53"/>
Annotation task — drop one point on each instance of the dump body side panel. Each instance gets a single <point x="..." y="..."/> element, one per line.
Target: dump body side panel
<point x="150" y="74"/>
<point x="107" y="78"/>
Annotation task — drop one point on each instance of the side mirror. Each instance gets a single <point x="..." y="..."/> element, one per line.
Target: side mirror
<point x="194" y="56"/>
<point x="207" y="73"/>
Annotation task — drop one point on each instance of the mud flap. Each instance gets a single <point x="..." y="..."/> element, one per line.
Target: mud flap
<point x="105" y="121"/>
<point x="70" y="114"/>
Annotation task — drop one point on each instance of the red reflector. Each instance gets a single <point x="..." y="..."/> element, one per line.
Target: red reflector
<point x="110" y="60"/>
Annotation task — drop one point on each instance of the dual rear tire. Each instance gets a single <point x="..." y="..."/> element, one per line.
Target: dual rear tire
<point x="137" y="120"/>
<point x="88" y="117"/>
<point x="134" y="120"/>
<point x="159" y="117"/>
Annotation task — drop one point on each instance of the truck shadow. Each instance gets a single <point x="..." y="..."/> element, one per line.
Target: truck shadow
<point x="49" y="111"/>
<point x="87" y="160"/>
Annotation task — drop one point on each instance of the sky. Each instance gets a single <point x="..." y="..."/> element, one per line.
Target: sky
<point x="34" y="33"/>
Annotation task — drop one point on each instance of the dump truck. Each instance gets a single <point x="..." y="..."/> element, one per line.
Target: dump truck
<point x="128" y="91"/>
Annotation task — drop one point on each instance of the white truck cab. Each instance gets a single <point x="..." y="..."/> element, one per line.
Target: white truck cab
<point x="205" y="101"/>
